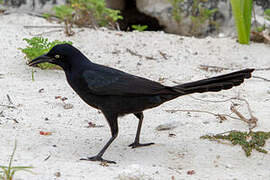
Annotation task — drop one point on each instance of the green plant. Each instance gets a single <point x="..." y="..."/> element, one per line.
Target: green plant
<point x="84" y="13"/>
<point x="200" y="15"/>
<point x="247" y="140"/>
<point x="139" y="27"/>
<point x="64" y="13"/>
<point x="38" y="46"/>
<point x="264" y="26"/>
<point x="267" y="14"/>
<point x="95" y="12"/>
<point x="242" y="11"/>
<point x="9" y="171"/>
<point x="177" y="10"/>
<point x="46" y="15"/>
<point x="260" y="28"/>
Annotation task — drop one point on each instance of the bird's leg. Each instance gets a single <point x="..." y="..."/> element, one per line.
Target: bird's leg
<point x="136" y="142"/>
<point x="112" y="120"/>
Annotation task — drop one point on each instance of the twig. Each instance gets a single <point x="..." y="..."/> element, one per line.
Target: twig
<point x="212" y="68"/>
<point x="44" y="26"/>
<point x="219" y="68"/>
<point x="139" y="55"/>
<point x="8" y="106"/>
<point x="173" y="169"/>
<point x="262" y="78"/>
<point x="164" y="55"/>
<point x="13" y="119"/>
<point x="252" y="122"/>
<point x="222" y="117"/>
<point x="9" y="99"/>
<point x="48" y="157"/>
<point x="226" y="132"/>
<point x="263" y="69"/>
<point x="254" y="16"/>
<point x="54" y="18"/>
<point x="48" y="32"/>
<point x="212" y="100"/>
<point x="35" y="14"/>
<point x="134" y="53"/>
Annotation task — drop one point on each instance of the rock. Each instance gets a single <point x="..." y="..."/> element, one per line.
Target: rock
<point x="162" y="11"/>
<point x="68" y="106"/>
<point x="57" y="174"/>
<point x="116" y="4"/>
<point x="167" y="126"/>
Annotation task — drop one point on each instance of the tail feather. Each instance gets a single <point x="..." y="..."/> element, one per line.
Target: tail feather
<point x="214" y="84"/>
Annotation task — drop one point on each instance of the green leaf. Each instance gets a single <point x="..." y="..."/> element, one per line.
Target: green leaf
<point x="63" y="12"/>
<point x="267" y="14"/>
<point x="38" y="46"/>
<point x="139" y="27"/>
<point x="242" y="11"/>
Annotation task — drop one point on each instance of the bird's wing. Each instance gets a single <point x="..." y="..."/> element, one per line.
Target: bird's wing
<point x="108" y="81"/>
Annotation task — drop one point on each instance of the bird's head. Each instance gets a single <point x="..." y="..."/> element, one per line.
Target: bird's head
<point x="63" y="55"/>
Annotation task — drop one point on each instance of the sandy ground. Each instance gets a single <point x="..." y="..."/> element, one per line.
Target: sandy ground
<point x="170" y="157"/>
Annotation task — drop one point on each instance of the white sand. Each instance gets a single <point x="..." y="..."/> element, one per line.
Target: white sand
<point x="170" y="156"/>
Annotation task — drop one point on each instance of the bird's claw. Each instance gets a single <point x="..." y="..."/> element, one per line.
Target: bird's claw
<point x="137" y="144"/>
<point x="97" y="158"/>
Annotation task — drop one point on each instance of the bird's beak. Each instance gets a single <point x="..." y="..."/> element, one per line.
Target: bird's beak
<point x="41" y="59"/>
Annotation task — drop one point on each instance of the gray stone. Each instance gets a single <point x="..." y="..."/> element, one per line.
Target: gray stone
<point x="162" y="10"/>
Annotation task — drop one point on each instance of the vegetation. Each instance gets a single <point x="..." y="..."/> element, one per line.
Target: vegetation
<point x="38" y="46"/>
<point x="247" y="140"/>
<point x="8" y="172"/>
<point x="95" y="12"/>
<point x="139" y="27"/>
<point x="200" y="15"/>
<point x="267" y="14"/>
<point x="86" y="13"/>
<point x="177" y="10"/>
<point x="242" y="11"/>
<point x="64" y="13"/>
<point x="46" y="15"/>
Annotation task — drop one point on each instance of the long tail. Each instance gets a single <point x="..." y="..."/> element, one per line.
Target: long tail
<point x="214" y="84"/>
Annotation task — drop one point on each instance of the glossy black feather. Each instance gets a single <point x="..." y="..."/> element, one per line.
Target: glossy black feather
<point x="116" y="93"/>
<point x="103" y="80"/>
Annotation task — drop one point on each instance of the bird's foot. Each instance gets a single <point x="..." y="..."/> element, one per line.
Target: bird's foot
<point x="97" y="158"/>
<point x="137" y="144"/>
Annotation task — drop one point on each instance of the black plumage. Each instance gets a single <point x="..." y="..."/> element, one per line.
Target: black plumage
<point x="117" y="93"/>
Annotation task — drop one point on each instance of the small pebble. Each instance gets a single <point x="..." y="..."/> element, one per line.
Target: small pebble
<point x="167" y="126"/>
<point x="57" y="174"/>
<point x="68" y="106"/>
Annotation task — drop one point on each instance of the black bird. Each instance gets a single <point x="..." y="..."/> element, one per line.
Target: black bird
<point x="117" y="93"/>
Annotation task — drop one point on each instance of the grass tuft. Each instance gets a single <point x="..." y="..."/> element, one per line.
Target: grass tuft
<point x="8" y="172"/>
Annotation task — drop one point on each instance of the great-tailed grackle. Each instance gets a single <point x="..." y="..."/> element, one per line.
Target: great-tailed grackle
<point x="117" y="93"/>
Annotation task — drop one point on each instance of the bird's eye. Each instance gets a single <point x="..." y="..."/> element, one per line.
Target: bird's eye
<point x="57" y="56"/>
